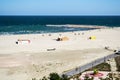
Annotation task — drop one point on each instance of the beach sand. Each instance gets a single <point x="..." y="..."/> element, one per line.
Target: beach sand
<point x="32" y="60"/>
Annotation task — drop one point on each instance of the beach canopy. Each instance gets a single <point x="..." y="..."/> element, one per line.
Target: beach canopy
<point x="23" y="41"/>
<point x="92" y="37"/>
<point x="63" y="39"/>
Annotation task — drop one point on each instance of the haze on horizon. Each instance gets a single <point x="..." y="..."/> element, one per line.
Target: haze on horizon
<point x="59" y="7"/>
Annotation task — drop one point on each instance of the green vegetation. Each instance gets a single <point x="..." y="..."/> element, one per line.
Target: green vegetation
<point x="101" y="67"/>
<point x="88" y="78"/>
<point x="95" y="71"/>
<point x="53" y="76"/>
<point x="117" y="59"/>
<point x="44" y="78"/>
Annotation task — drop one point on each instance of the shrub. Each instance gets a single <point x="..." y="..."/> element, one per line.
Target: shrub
<point x="117" y="59"/>
<point x="64" y="77"/>
<point x="44" y="78"/>
<point x="54" y="76"/>
<point x="95" y="71"/>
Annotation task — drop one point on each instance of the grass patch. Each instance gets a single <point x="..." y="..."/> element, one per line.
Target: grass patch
<point x="117" y="60"/>
<point x="101" y="67"/>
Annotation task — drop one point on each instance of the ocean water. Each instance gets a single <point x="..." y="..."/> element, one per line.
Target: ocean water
<point x="37" y="24"/>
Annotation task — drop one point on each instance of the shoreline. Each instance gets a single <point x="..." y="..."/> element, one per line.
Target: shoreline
<point x="80" y="26"/>
<point x="86" y="27"/>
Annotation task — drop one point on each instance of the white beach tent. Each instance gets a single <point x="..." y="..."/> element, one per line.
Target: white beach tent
<point x="23" y="41"/>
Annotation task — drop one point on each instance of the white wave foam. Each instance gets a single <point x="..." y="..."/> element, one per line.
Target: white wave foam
<point x="69" y="29"/>
<point x="78" y="26"/>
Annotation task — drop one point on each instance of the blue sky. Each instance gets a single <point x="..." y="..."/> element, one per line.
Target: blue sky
<point x="59" y="7"/>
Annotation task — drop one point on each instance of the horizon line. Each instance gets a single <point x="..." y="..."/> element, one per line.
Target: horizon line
<point x="59" y="15"/>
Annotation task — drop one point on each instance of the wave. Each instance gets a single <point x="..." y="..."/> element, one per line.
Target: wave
<point x="22" y="32"/>
<point x="39" y="29"/>
<point x="78" y="26"/>
<point x="69" y="29"/>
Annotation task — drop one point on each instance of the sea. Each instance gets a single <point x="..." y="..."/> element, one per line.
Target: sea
<point x="12" y="25"/>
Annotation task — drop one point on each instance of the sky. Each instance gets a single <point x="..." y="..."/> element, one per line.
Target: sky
<point x="59" y="7"/>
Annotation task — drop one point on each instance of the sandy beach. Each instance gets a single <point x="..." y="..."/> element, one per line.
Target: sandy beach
<point x="32" y="60"/>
